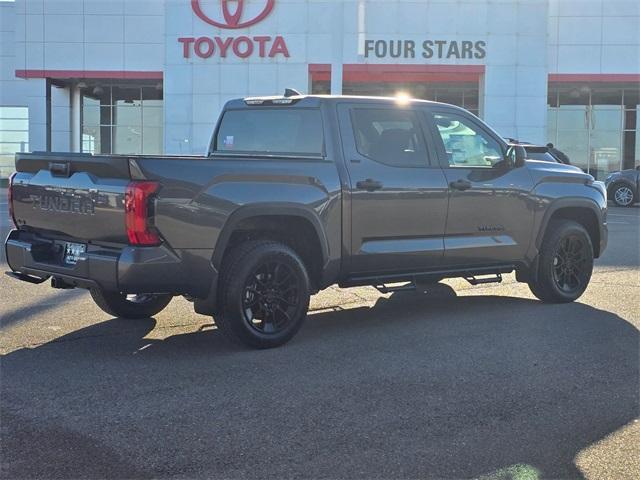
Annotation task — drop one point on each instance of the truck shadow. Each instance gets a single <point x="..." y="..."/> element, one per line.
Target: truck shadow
<point x="413" y="387"/>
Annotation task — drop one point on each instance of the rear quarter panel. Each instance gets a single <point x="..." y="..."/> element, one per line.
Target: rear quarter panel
<point x="200" y="196"/>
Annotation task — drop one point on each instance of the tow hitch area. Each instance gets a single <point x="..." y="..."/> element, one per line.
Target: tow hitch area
<point x="60" y="283"/>
<point x="27" y="278"/>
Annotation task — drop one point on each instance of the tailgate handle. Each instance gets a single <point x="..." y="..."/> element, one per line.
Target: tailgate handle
<point x="59" y="169"/>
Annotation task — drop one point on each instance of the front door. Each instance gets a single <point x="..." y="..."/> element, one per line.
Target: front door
<point x="491" y="211"/>
<point x="398" y="192"/>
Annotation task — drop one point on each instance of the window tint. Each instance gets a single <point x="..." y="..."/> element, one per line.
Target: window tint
<point x="389" y="136"/>
<point x="290" y="131"/>
<point x="465" y="143"/>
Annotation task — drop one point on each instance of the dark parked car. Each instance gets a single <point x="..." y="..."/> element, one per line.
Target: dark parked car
<point x="623" y="187"/>
<point x="298" y="193"/>
<point x="536" y="152"/>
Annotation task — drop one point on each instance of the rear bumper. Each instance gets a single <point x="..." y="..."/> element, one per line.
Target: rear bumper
<point x="127" y="270"/>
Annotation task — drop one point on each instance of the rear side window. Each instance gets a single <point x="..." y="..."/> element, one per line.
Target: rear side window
<point x="287" y="131"/>
<point x="389" y="136"/>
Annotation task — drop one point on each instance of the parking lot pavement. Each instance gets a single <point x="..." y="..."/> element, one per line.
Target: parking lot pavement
<point x="462" y="382"/>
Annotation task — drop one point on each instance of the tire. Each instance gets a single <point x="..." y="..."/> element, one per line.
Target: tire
<point x="264" y="294"/>
<point x="565" y="263"/>
<point x="623" y="195"/>
<point x="124" y="306"/>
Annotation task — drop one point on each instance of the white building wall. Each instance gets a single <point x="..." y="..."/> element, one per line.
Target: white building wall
<point x="116" y="35"/>
<point x="60" y="120"/>
<point x="13" y="91"/>
<point x="515" y="95"/>
<point x="594" y="36"/>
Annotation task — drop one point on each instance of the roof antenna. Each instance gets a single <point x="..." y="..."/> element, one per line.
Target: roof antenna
<point x="291" y="92"/>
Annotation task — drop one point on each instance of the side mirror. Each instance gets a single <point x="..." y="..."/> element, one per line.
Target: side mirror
<point x="516" y="155"/>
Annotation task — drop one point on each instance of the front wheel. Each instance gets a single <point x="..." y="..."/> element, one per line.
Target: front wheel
<point x="264" y="294"/>
<point x="623" y="195"/>
<point x="142" y="305"/>
<point x="565" y="263"/>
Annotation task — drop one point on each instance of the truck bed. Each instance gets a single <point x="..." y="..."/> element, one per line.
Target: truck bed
<point x="74" y="196"/>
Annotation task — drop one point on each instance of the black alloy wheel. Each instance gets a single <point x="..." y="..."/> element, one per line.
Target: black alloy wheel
<point x="263" y="295"/>
<point x="565" y="263"/>
<point x="270" y="297"/>
<point x="570" y="264"/>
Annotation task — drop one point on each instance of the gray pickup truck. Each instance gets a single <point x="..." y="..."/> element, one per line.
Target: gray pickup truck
<point x="298" y="193"/>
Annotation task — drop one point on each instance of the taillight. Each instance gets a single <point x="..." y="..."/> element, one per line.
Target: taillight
<point x="136" y="207"/>
<point x="10" y="199"/>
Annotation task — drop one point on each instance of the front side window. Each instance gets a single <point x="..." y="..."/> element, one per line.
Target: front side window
<point x="389" y="136"/>
<point x="296" y="131"/>
<point x="465" y="143"/>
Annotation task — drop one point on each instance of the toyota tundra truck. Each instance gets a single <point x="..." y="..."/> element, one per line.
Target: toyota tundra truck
<point x="297" y="193"/>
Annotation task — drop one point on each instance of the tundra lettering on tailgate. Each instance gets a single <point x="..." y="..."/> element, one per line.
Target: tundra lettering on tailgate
<point x="64" y="204"/>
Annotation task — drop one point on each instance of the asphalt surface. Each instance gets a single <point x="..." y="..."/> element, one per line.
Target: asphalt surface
<point x="464" y="382"/>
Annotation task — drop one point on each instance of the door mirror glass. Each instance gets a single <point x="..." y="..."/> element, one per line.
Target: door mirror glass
<point x="516" y="155"/>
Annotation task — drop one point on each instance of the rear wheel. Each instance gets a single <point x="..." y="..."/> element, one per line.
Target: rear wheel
<point x="565" y="263"/>
<point x="623" y="195"/>
<point x="264" y="294"/>
<point x="142" y="305"/>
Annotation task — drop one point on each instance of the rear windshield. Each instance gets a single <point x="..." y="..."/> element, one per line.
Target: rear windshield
<point x="288" y="131"/>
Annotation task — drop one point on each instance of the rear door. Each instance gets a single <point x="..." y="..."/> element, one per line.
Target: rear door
<point x="491" y="211"/>
<point x="398" y="191"/>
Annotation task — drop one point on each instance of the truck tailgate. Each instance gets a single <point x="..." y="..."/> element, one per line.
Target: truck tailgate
<point x="67" y="197"/>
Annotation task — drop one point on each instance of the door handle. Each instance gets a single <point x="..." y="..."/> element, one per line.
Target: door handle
<point x="460" y="185"/>
<point x="369" y="185"/>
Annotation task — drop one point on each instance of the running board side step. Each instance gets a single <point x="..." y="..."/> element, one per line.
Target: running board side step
<point x="479" y="281"/>
<point x="429" y="276"/>
<point x="382" y="288"/>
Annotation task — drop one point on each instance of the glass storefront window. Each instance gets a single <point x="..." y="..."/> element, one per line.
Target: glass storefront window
<point x="595" y="125"/>
<point x="14" y="136"/>
<point x="152" y="139"/>
<point x="122" y="118"/>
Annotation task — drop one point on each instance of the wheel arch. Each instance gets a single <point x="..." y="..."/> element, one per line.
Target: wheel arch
<point x="294" y="225"/>
<point x="581" y="210"/>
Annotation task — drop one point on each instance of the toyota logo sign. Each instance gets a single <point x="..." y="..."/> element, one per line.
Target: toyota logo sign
<point x="232" y="19"/>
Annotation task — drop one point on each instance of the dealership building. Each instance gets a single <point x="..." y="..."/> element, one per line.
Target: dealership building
<point x="150" y="76"/>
